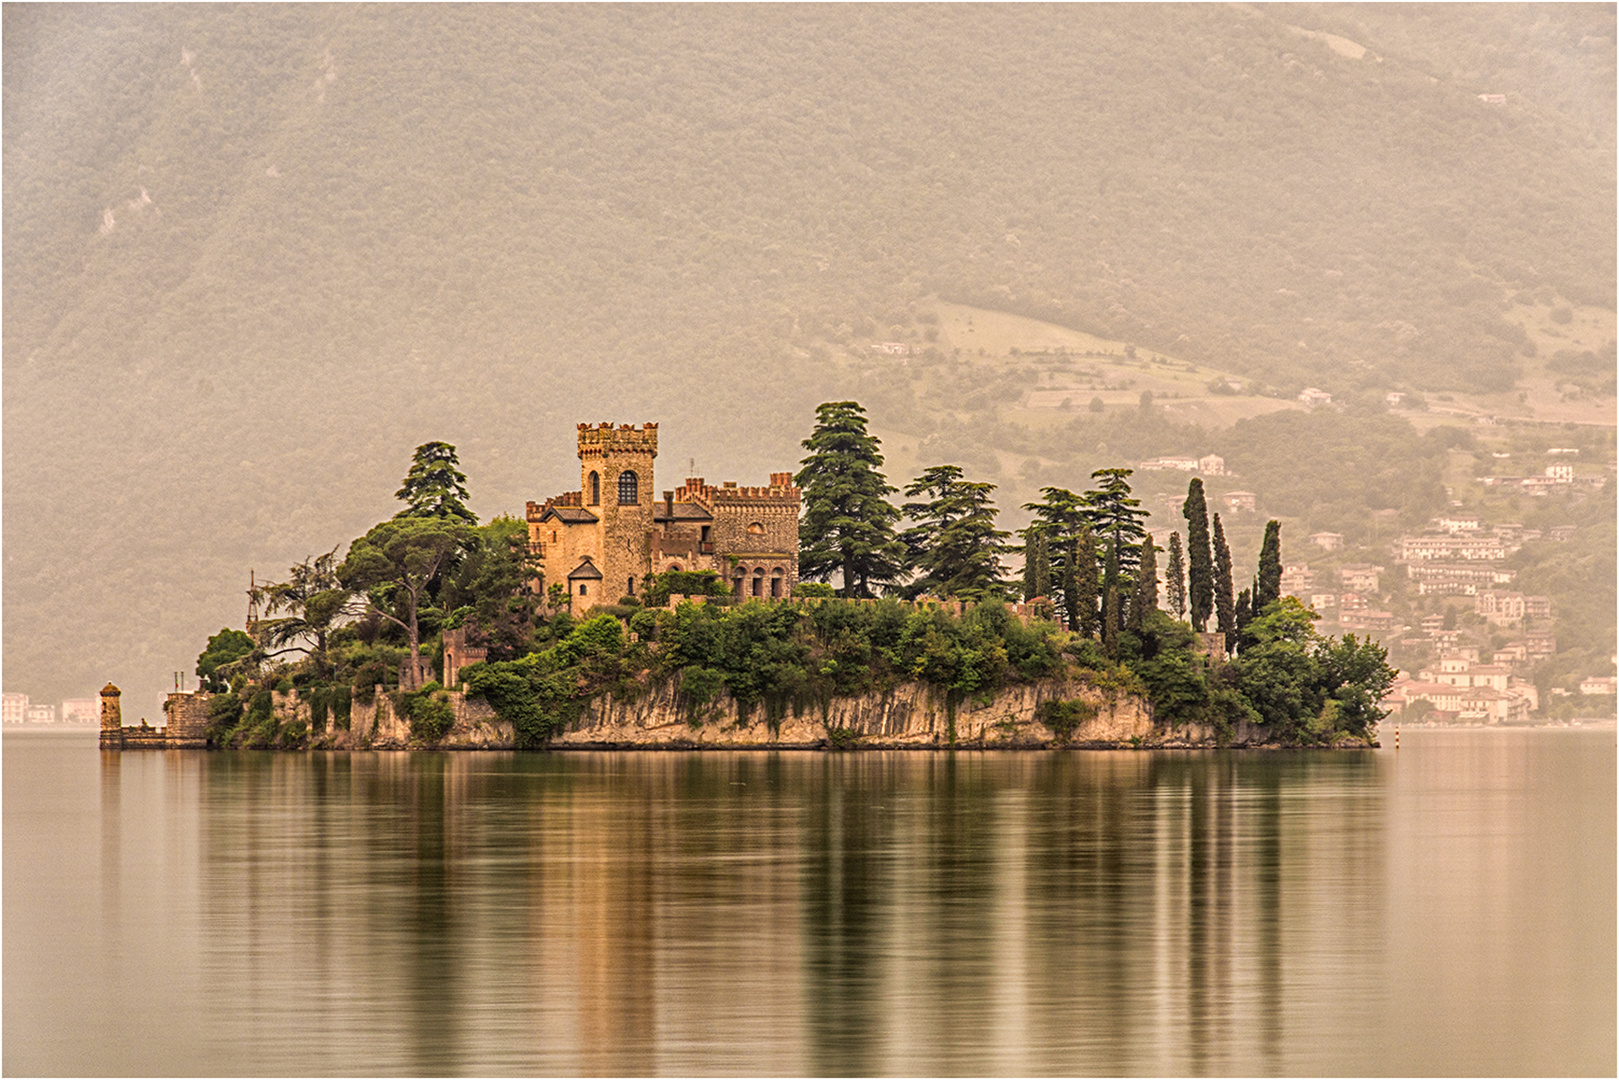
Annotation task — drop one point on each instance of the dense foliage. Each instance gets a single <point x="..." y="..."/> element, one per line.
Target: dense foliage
<point x="781" y="656"/>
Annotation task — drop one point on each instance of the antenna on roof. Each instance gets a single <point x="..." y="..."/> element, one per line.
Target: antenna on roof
<point x="252" y="601"/>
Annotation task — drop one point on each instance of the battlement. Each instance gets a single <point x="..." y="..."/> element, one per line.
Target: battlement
<point x="694" y="490"/>
<point x="784" y="495"/>
<point x="601" y="438"/>
<point x="534" y="511"/>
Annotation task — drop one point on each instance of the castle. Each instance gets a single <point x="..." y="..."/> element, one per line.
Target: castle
<point x="604" y="539"/>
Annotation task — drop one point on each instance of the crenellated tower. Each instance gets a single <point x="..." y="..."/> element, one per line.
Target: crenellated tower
<point x="616" y="485"/>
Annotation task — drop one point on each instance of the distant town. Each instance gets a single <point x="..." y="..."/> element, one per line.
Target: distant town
<point x="18" y="710"/>
<point x="1455" y="667"/>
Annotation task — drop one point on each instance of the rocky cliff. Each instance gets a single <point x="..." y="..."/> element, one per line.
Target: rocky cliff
<point x="912" y="715"/>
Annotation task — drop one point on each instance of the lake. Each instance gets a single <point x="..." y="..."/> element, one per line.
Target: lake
<point x="1445" y="909"/>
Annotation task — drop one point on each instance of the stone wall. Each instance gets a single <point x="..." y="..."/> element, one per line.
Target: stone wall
<point x="188" y="720"/>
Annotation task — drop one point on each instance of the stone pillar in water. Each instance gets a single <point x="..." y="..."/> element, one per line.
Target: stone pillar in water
<point x="112" y="719"/>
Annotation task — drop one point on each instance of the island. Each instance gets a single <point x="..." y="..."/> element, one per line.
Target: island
<point x="706" y="618"/>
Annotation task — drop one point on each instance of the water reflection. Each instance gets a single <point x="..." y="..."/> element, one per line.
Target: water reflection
<point x="872" y="913"/>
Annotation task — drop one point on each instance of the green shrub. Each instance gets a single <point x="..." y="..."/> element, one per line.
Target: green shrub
<point x="701" y="685"/>
<point x="429" y="712"/>
<point x="1064" y="717"/>
<point x="842" y="738"/>
<point x="224" y="716"/>
<point x="683" y="583"/>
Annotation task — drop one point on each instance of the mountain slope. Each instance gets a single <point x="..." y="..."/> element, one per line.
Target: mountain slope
<point x="254" y="255"/>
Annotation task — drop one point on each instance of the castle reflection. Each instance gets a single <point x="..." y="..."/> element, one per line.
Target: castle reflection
<point x="634" y="913"/>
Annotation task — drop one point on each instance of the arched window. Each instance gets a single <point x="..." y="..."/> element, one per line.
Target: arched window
<point x="595" y="489"/>
<point x="756" y="529"/>
<point x="759" y="581"/>
<point x="775" y="583"/>
<point x="628" y="484"/>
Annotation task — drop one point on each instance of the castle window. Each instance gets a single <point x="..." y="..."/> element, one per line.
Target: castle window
<point x="628" y="488"/>
<point x="595" y="489"/>
<point x="775" y="583"/>
<point x="631" y="585"/>
<point x="582" y="590"/>
<point x="759" y="581"/>
<point x="756" y="529"/>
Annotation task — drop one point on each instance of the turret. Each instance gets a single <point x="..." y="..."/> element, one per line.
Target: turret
<point x="112" y="718"/>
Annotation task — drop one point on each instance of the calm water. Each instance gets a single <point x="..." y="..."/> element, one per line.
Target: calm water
<point x="1446" y="909"/>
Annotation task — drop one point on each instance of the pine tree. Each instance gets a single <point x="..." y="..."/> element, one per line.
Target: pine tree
<point x="953" y="545"/>
<point x="435" y="488"/>
<point x="1199" y="569"/>
<point x="1175" y="578"/>
<point x="1224" y="603"/>
<point x="1268" y="586"/>
<point x="1116" y="518"/>
<point x="848" y="523"/>
<point x="1146" y="596"/>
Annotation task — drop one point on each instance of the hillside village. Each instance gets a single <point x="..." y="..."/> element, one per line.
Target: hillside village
<point x="1467" y="641"/>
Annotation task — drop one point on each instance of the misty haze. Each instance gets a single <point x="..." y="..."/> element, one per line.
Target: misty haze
<point x="1347" y="271"/>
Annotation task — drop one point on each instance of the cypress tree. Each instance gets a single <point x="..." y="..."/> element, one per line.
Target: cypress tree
<point x="1036" y="564"/>
<point x="1060" y="517"/>
<point x="1085" y="593"/>
<point x="1146" y="596"/>
<point x="1224" y="604"/>
<point x="1245" y="615"/>
<point x="1110" y="604"/>
<point x="1175" y="578"/>
<point x="1070" y="586"/>
<point x="1268" y="586"/>
<point x="1199" y="569"/>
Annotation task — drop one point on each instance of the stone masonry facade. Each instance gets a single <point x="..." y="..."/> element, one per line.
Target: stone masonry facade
<point x="603" y="540"/>
<point x="187" y="725"/>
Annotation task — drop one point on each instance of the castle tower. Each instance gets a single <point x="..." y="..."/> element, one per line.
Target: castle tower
<point x="616" y="485"/>
<point x="112" y="718"/>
